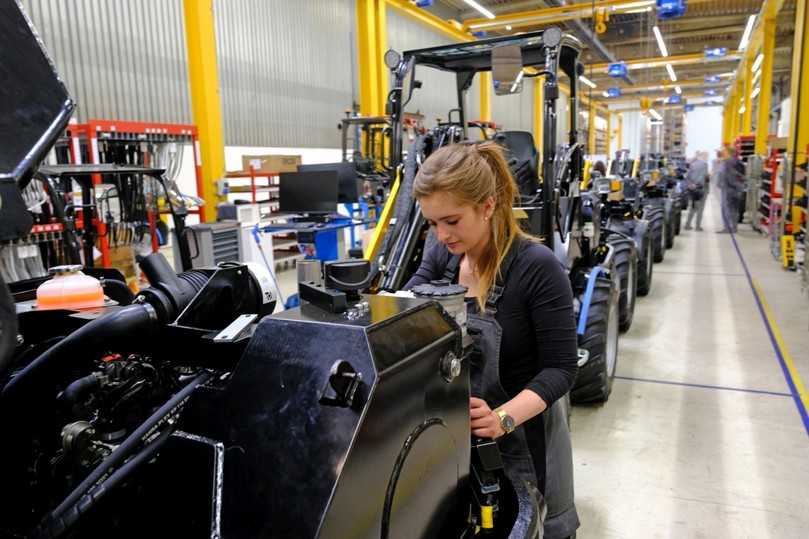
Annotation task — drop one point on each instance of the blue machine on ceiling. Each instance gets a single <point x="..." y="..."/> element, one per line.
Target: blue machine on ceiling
<point x="689" y="108"/>
<point x="617" y="70"/>
<point x="424" y="3"/>
<point x="716" y="52"/>
<point x="671" y="9"/>
<point x="674" y="99"/>
<point x="613" y="92"/>
<point x="711" y="91"/>
<point x="712" y="79"/>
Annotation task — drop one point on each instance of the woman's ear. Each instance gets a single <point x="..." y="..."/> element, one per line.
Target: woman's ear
<point x="488" y="208"/>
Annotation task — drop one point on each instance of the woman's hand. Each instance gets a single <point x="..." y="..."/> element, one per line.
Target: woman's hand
<point x="485" y="422"/>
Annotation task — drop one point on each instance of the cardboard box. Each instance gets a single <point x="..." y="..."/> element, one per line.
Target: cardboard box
<point x="271" y="163"/>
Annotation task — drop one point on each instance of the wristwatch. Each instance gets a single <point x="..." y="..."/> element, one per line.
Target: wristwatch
<point x="506" y="421"/>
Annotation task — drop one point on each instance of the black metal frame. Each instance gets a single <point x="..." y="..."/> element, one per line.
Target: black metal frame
<point x="467" y="59"/>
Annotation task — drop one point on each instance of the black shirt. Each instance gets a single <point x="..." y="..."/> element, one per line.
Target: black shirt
<point x="538" y="349"/>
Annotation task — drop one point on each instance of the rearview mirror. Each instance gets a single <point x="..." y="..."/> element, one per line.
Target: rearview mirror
<point x="507" y="72"/>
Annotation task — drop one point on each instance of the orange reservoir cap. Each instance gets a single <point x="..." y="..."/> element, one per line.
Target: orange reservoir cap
<point x="69" y="289"/>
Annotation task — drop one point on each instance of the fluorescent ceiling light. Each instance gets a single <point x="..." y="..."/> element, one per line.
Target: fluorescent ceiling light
<point x="641" y="10"/>
<point x="747" y="31"/>
<point x="756" y="76"/>
<point x="743" y="109"/>
<point x="672" y="75"/>
<point x="642" y="3"/>
<point x="655" y="114"/>
<point x="605" y="93"/>
<point x="485" y="12"/>
<point x="728" y="74"/>
<point x="587" y="81"/>
<point x="757" y="63"/>
<point x="678" y="90"/>
<point x="660" y="44"/>
<point x="508" y="28"/>
<point x="755" y="92"/>
<point x="517" y="82"/>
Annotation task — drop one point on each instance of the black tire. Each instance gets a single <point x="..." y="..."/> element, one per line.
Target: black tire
<point x="670" y="230"/>
<point x="625" y="262"/>
<point x="646" y="266"/>
<point x="657" y="227"/>
<point x="594" y="379"/>
<point x="678" y="218"/>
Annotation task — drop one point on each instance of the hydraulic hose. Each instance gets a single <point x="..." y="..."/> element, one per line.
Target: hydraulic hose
<point x="58" y="520"/>
<point x="130" y="325"/>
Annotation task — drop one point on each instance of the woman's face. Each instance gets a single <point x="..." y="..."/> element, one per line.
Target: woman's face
<point x="461" y="227"/>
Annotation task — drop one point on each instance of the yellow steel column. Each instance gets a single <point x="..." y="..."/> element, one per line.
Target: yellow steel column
<point x="609" y="133"/>
<point x="747" y="117"/>
<point x="591" y="128"/>
<point x="371" y="45"/>
<point x="539" y="98"/>
<point x="485" y="97"/>
<point x="205" y="100"/>
<point x="765" y="94"/>
<point x="799" y="87"/>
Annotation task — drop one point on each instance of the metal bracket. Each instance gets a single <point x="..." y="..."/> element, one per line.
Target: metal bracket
<point x="235" y="329"/>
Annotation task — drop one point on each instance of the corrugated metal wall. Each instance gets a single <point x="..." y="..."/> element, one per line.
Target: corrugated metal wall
<point x="437" y="96"/>
<point x="122" y="59"/>
<point x="286" y="70"/>
<point x="515" y="112"/>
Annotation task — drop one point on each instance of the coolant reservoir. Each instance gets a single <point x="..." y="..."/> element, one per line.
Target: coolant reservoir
<point x="69" y="289"/>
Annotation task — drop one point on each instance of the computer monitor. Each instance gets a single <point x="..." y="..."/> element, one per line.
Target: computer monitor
<point x="308" y="192"/>
<point x="350" y="189"/>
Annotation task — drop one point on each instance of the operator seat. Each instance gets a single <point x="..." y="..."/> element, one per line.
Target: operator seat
<point x="523" y="159"/>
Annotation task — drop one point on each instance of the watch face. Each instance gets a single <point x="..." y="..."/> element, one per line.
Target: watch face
<point x="508" y="423"/>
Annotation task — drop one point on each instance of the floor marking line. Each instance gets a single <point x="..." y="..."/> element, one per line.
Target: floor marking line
<point x="704" y="386"/>
<point x="701" y="273"/>
<point x="793" y="378"/>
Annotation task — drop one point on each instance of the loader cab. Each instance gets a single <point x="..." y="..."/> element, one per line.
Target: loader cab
<point x="511" y="60"/>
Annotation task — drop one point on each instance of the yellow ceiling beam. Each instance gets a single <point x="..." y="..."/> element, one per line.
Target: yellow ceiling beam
<point x="553" y="15"/>
<point x="431" y="21"/>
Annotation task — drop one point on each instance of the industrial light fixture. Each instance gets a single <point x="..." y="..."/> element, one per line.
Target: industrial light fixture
<point x="660" y="44"/>
<point x="755" y="92"/>
<point x="587" y="81"/>
<point x="655" y="114"/>
<point x="678" y="90"/>
<point x="638" y="10"/>
<point x="743" y="109"/>
<point x="672" y="75"/>
<point x="756" y="76"/>
<point x="482" y="10"/>
<point x="605" y="93"/>
<point x="747" y="31"/>
<point x="508" y="28"/>
<point x="757" y="62"/>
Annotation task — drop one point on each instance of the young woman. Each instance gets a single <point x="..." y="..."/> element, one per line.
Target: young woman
<point x="520" y="308"/>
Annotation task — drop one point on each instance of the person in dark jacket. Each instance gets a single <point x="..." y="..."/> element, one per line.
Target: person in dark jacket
<point x="520" y="305"/>
<point x="731" y="181"/>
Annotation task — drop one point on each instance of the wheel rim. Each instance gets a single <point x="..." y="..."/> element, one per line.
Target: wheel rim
<point x="612" y="339"/>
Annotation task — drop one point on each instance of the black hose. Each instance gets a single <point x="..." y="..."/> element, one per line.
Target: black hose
<point x="54" y="520"/>
<point x="73" y="392"/>
<point x="8" y="328"/>
<point x="118" y="290"/>
<point x="130" y="325"/>
<point x="397" y="470"/>
<point x="73" y="513"/>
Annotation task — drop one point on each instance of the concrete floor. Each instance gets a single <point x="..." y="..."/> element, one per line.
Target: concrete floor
<point x="669" y="457"/>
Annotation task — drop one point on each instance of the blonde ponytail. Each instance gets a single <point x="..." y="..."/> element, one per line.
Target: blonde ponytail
<point x="473" y="173"/>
